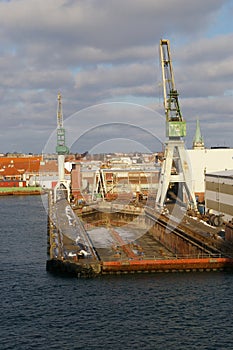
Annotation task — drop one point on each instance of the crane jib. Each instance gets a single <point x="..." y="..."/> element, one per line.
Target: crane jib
<point x="175" y="124"/>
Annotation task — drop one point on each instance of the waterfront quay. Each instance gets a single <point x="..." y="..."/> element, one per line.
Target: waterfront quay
<point x="20" y="191"/>
<point x="105" y="238"/>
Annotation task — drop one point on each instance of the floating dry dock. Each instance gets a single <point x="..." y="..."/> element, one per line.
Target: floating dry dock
<point x="118" y="239"/>
<point x="148" y="266"/>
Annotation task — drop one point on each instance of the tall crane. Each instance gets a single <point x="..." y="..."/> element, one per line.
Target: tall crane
<point x="62" y="150"/>
<point x="175" y="170"/>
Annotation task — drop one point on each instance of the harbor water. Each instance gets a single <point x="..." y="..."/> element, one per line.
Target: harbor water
<point x="149" y="311"/>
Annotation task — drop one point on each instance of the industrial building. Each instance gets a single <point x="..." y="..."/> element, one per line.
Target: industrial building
<point x="205" y="161"/>
<point x="219" y="193"/>
<point x="92" y="179"/>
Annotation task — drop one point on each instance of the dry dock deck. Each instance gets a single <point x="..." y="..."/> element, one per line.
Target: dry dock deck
<point x="198" y="249"/>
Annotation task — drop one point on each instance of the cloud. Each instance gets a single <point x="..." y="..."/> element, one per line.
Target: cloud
<point x="99" y="27"/>
<point x="139" y="81"/>
<point x="205" y="67"/>
<point x="95" y="51"/>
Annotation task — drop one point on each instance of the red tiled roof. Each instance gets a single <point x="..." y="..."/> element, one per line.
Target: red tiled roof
<point x="48" y="166"/>
<point x="10" y="166"/>
<point x="9" y="171"/>
<point x="21" y="164"/>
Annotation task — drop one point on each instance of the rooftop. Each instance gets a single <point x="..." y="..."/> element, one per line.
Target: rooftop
<point x="224" y="173"/>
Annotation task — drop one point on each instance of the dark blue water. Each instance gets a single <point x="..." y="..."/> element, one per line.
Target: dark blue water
<point x="42" y="311"/>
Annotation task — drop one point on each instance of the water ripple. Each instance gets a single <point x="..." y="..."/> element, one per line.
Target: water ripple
<point x="41" y="311"/>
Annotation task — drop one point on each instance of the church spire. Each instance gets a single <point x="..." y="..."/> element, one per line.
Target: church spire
<point x="198" y="142"/>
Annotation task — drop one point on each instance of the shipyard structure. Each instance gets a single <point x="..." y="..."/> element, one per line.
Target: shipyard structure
<point x="164" y="212"/>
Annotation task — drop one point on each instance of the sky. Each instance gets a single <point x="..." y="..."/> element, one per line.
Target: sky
<point x="103" y="56"/>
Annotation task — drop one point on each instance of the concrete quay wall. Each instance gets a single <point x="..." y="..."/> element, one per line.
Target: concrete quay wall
<point x="73" y="269"/>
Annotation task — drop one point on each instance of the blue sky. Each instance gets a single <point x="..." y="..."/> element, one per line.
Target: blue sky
<point x="223" y="21"/>
<point x="107" y="51"/>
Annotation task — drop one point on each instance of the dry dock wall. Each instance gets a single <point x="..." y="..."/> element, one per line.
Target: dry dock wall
<point x="96" y="267"/>
<point x="170" y="265"/>
<point x="137" y="266"/>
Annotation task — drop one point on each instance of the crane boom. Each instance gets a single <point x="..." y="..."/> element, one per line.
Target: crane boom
<point x="175" y="124"/>
<point x="61" y="142"/>
<point x="59" y="112"/>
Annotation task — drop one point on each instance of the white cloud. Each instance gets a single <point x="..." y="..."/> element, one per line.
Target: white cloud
<point x="98" y="50"/>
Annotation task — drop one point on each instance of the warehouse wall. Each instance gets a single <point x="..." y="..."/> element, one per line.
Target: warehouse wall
<point x="219" y="194"/>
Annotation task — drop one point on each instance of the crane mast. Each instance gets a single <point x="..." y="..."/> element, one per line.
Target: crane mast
<point x="175" y="171"/>
<point x="175" y="124"/>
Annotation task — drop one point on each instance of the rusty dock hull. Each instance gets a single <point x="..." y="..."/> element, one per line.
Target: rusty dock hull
<point x="169" y="265"/>
<point x="90" y="270"/>
<point x="183" y="248"/>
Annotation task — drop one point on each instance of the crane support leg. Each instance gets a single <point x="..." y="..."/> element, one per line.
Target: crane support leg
<point x="175" y="169"/>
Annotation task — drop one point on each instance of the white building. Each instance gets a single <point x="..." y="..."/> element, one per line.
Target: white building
<point x="219" y="193"/>
<point x="208" y="161"/>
